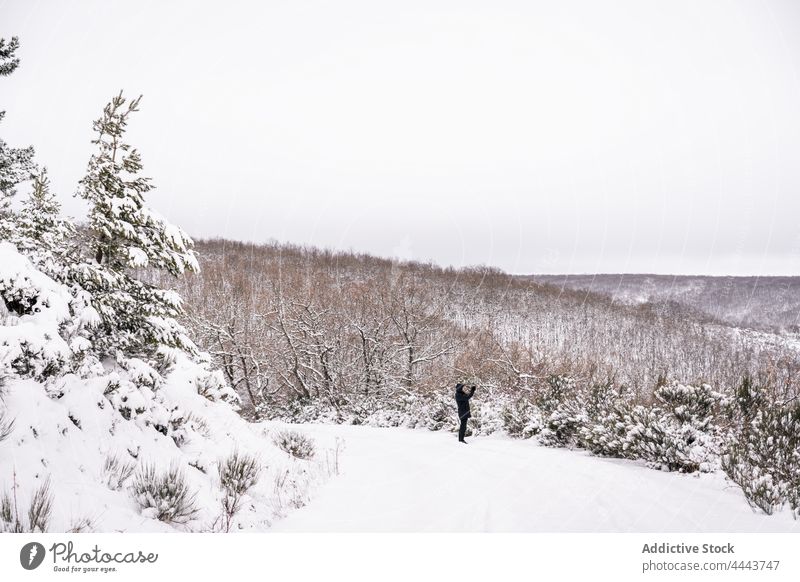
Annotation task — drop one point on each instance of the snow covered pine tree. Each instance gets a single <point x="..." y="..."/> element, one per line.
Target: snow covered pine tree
<point x="125" y="236"/>
<point x="16" y="164"/>
<point x="84" y="323"/>
<point x="127" y="242"/>
<point x="42" y="234"/>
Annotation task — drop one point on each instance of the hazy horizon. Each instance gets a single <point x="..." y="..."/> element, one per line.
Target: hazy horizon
<point x="635" y="137"/>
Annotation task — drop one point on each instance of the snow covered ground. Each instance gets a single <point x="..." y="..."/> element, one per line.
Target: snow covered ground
<point x="401" y="480"/>
<point x="68" y="440"/>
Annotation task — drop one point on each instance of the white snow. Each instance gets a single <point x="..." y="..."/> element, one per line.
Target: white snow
<point x="32" y="334"/>
<point x="68" y="439"/>
<point x="402" y="480"/>
<point x="137" y="257"/>
<point x="67" y="427"/>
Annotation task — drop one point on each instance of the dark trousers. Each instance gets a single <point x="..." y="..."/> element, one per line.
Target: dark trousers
<point x="462" y="429"/>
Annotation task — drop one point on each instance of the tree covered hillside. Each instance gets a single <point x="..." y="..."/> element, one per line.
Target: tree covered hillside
<point x="291" y="325"/>
<point x="304" y="334"/>
<point x="763" y="303"/>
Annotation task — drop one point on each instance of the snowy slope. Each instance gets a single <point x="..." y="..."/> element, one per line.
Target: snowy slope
<point x="67" y="440"/>
<point x="99" y="437"/>
<point x="409" y="480"/>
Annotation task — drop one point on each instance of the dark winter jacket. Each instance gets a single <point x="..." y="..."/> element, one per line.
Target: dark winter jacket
<point x="462" y="399"/>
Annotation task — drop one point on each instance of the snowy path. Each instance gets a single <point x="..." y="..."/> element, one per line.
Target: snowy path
<point x="399" y="480"/>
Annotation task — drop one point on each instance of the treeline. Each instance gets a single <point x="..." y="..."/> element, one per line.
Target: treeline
<point x="351" y="335"/>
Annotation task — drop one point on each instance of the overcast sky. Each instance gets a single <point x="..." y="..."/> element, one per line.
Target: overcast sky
<point x="540" y="137"/>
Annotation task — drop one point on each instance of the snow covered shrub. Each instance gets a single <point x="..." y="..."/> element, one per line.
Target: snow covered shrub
<point x="487" y="417"/>
<point x="557" y="390"/>
<point x="374" y="412"/>
<point x="762" y="454"/>
<point x="33" y="337"/>
<point x="141" y="373"/>
<point x="197" y="424"/>
<point x="610" y="422"/>
<point x="692" y="405"/>
<point x="9" y="520"/>
<point x="296" y="444"/>
<point x="129" y="400"/>
<point x="521" y="418"/>
<point x="135" y="394"/>
<point x="669" y="444"/>
<point x="40" y="510"/>
<point x="433" y="413"/>
<point x="389" y="416"/>
<point x="296" y="410"/>
<point x="132" y="390"/>
<point x="684" y="437"/>
<point x="748" y="399"/>
<point x="164" y="496"/>
<point x="562" y="407"/>
<point x="237" y="474"/>
<point x="676" y="436"/>
<point x="43" y="331"/>
<point x="211" y="384"/>
<point x="117" y="471"/>
<point x="761" y="489"/>
<point x="562" y="425"/>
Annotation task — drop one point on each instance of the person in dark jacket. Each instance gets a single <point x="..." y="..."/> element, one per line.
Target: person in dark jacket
<point x="462" y="399"/>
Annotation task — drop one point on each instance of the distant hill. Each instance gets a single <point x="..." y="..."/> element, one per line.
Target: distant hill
<point x="764" y="303"/>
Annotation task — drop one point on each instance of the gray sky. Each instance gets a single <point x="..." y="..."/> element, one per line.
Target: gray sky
<point x="540" y="137"/>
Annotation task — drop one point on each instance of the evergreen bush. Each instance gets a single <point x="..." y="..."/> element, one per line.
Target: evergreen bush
<point x="296" y="444"/>
<point x="164" y="495"/>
